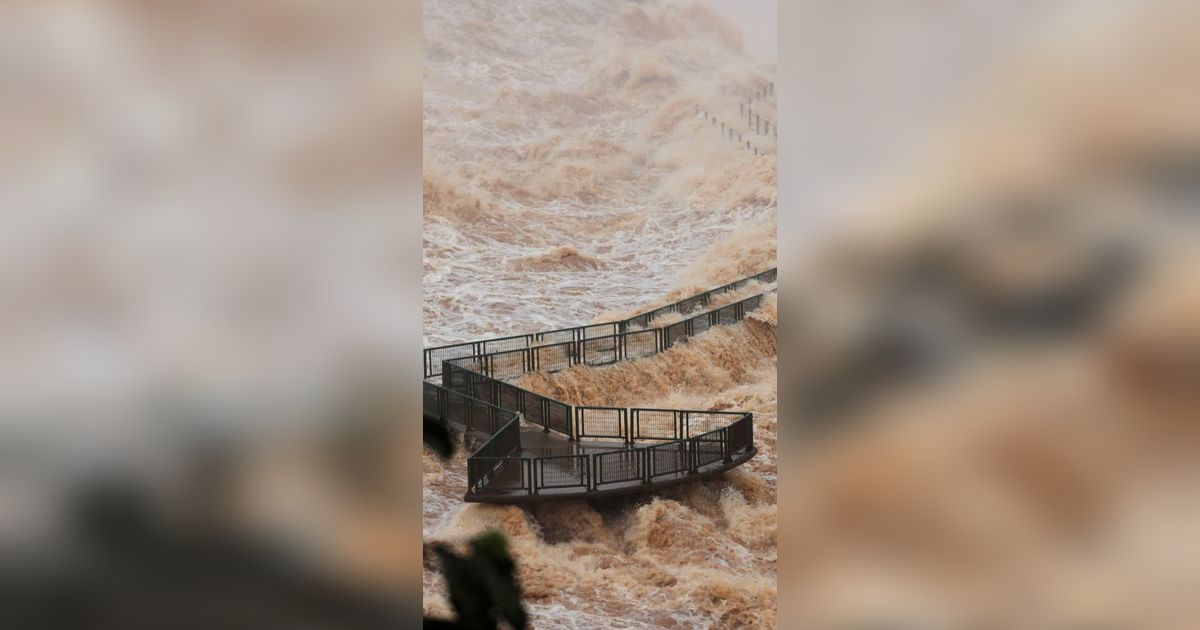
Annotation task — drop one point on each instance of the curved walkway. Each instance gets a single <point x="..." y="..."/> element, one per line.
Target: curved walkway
<point x="540" y="449"/>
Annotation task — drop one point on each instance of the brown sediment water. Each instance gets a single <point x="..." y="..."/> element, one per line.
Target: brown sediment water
<point x="562" y="139"/>
<point x="569" y="177"/>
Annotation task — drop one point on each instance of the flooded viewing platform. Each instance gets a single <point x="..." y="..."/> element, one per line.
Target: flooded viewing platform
<point x="539" y="449"/>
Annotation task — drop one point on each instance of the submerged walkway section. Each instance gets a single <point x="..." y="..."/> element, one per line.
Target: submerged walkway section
<point x="435" y="356"/>
<point x="538" y="449"/>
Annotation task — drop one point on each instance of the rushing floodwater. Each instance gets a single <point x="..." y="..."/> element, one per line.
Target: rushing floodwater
<point x="569" y="176"/>
<point x="567" y="171"/>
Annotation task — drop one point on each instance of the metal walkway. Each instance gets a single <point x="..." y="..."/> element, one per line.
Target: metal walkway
<point x="541" y="449"/>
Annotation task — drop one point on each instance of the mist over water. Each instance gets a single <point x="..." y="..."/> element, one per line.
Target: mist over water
<point x="570" y="177"/>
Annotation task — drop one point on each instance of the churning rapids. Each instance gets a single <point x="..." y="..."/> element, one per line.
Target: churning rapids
<point x="569" y="178"/>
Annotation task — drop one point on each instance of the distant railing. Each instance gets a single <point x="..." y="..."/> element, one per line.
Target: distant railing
<point x="598" y="351"/>
<point x="563" y="342"/>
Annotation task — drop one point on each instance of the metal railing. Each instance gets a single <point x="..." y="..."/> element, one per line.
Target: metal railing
<point x="433" y="357"/>
<point x="605" y="350"/>
<point x="474" y="394"/>
<point x="692" y="440"/>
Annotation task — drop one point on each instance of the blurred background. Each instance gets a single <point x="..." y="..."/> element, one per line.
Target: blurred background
<point x="989" y="335"/>
<point x="210" y="288"/>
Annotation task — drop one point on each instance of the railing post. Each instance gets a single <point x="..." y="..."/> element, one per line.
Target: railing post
<point x="533" y="470"/>
<point x="591" y="459"/>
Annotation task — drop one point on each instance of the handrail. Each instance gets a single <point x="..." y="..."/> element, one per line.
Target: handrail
<point x="493" y="468"/>
<point x="433" y="356"/>
<point x="598" y="351"/>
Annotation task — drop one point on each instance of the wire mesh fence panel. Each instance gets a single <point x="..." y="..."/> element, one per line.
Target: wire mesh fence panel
<point x="531" y="406"/>
<point x="655" y="424"/>
<point x="638" y="322"/>
<point x="740" y="435"/>
<point x="699" y="422"/>
<point x="599" y="351"/>
<point x="558" y="416"/>
<point x="497" y="473"/>
<point x="599" y="330"/>
<point x="431" y="399"/>
<point x="483" y="417"/>
<point x="472" y="363"/>
<point x="505" y="440"/>
<point x="456" y="379"/>
<point x="727" y="314"/>
<point x="508" y="438"/>
<point x="564" y="335"/>
<point x="751" y="303"/>
<point x="601" y="422"/>
<point x="509" y="396"/>
<point x="700" y="323"/>
<point x="618" y="466"/>
<point x="694" y="302"/>
<point x="553" y="357"/>
<point x="668" y="459"/>
<point x="482" y="388"/>
<point x="504" y="344"/>
<point x="435" y="356"/>
<point x="508" y="364"/>
<point x="662" y="310"/>
<point x="561" y="471"/>
<point x="640" y="344"/>
<point x="674" y="333"/>
<point x="709" y="448"/>
<point x="769" y="275"/>
<point x="457" y="408"/>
